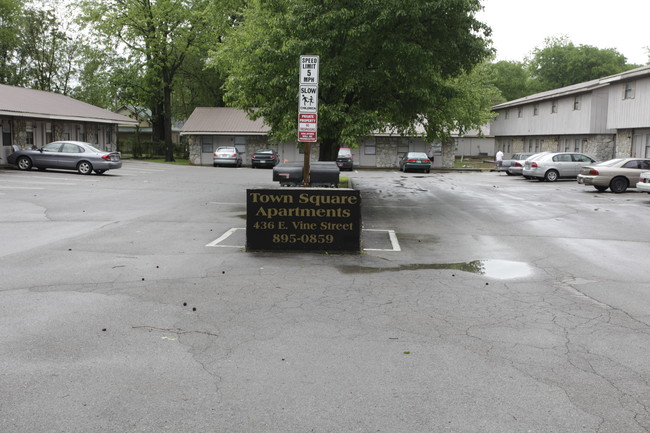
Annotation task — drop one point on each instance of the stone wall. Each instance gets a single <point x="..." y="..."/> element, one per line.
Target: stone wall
<point x="623" y="143"/>
<point x="386" y="151"/>
<point x="602" y="147"/>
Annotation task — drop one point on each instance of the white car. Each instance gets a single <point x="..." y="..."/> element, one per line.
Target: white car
<point x="644" y="182"/>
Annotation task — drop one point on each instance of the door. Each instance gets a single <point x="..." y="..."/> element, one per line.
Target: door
<point x="69" y="156"/>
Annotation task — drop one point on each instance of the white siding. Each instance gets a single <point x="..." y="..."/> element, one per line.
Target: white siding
<point x="629" y="113"/>
<point x="589" y="119"/>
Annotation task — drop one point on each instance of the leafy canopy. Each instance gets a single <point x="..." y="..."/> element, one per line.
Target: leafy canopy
<point x="383" y="63"/>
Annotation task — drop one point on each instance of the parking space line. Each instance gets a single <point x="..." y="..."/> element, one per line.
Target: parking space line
<point x="225" y="236"/>
<point x="393" y="241"/>
<point x="391" y="236"/>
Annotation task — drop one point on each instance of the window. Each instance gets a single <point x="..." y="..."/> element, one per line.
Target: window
<point x="29" y="135"/>
<point x="507" y="114"/>
<point x="520" y="112"/>
<point x="576" y="143"/>
<point x="537" y="144"/>
<point x="370" y="148"/>
<point x="82" y="132"/>
<point x="48" y="133"/>
<point x="565" y="157"/>
<point x="576" y="103"/>
<point x="535" y="109"/>
<point x="582" y="158"/>
<point x="628" y="90"/>
<point x="206" y="143"/>
<point x="71" y="148"/>
<point x="554" y="106"/>
<point x="567" y="145"/>
<point x="647" y="146"/>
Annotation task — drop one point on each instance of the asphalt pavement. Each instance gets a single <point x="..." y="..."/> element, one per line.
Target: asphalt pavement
<point x="481" y="303"/>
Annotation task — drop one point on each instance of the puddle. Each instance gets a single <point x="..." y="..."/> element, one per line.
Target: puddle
<point x="497" y="269"/>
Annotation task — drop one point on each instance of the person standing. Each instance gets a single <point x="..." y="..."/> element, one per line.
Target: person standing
<point x="499" y="158"/>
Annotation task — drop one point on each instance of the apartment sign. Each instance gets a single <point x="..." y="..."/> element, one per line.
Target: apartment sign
<point x="308" y="99"/>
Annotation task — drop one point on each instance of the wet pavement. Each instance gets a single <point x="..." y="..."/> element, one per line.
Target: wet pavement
<point x="509" y="306"/>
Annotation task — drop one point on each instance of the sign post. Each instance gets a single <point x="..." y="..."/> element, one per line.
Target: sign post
<point x="308" y="108"/>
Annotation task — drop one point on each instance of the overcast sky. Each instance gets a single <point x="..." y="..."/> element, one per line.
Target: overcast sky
<point x="519" y="26"/>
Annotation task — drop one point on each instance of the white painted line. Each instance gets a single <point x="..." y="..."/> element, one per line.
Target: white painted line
<point x="225" y="236"/>
<point x="19" y="187"/>
<point x="391" y="235"/>
<point x="393" y="241"/>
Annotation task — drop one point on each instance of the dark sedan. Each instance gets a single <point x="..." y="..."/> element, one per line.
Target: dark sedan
<point x="415" y="161"/>
<point x="67" y="155"/>
<point x="265" y="158"/>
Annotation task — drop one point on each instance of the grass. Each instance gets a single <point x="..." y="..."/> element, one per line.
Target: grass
<point x="481" y="163"/>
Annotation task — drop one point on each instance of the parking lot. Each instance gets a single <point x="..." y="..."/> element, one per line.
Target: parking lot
<point x="481" y="303"/>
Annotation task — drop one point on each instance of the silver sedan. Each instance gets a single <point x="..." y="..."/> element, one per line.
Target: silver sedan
<point x="553" y="166"/>
<point x="67" y="155"/>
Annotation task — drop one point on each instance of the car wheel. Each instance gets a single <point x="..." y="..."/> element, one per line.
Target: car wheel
<point x="618" y="185"/>
<point x="24" y="163"/>
<point x="100" y="171"/>
<point x="551" y="175"/>
<point x="84" y="167"/>
<point x="600" y="188"/>
<point x="509" y="174"/>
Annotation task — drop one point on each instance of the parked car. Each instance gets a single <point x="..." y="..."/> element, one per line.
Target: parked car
<point x="344" y="159"/>
<point x="415" y="161"/>
<point x="515" y="165"/>
<point x="504" y="164"/>
<point x="227" y="156"/>
<point x="644" y="182"/>
<point x="67" y="155"/>
<point x="553" y="166"/>
<point x="616" y="174"/>
<point x="265" y="158"/>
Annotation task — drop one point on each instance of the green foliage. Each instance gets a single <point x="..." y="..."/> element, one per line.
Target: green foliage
<point x="560" y="63"/>
<point x="157" y="38"/>
<point x="383" y="63"/>
<point x="9" y="28"/>
<point x="511" y="78"/>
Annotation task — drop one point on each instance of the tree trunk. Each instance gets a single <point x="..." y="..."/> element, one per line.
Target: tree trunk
<point x="329" y="150"/>
<point x="167" y="123"/>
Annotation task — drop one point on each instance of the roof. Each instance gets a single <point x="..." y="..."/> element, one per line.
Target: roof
<point x="577" y="88"/>
<point x="223" y="121"/>
<point x="21" y="102"/>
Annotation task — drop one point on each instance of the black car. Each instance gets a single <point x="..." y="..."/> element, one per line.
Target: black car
<point x="265" y="158"/>
<point x="344" y="159"/>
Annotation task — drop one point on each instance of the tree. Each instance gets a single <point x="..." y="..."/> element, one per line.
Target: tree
<point x="158" y="36"/>
<point x="560" y="63"/>
<point x="9" y="18"/>
<point x="47" y="55"/>
<point x="384" y="64"/>
<point x="511" y="78"/>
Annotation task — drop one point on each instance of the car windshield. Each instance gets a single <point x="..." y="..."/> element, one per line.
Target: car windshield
<point x="610" y="163"/>
<point x="345" y="153"/>
<point x="418" y="155"/>
<point x="226" y="149"/>
<point x="264" y="151"/>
